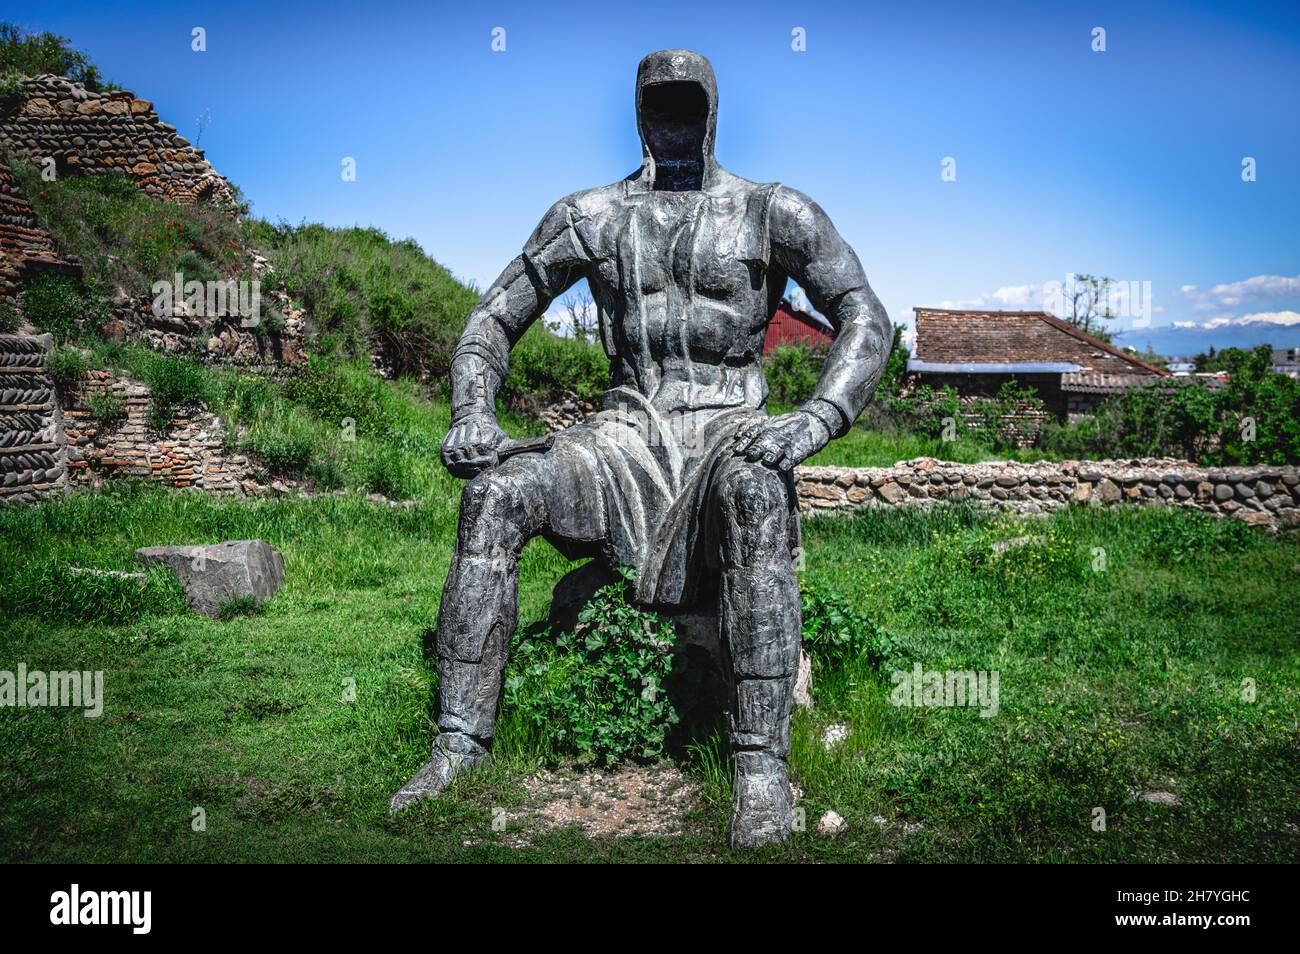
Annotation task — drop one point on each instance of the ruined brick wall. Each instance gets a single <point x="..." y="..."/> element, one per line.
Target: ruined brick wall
<point x="25" y="247"/>
<point x="88" y="133"/>
<point x="1264" y="496"/>
<point x="32" y="446"/>
<point x="188" y="452"/>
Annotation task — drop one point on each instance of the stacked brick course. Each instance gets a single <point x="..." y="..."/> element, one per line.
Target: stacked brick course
<point x="24" y="246"/>
<point x="189" y="452"/>
<point x="32" y="444"/>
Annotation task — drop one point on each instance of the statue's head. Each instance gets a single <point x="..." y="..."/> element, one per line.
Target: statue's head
<point x="677" y="112"/>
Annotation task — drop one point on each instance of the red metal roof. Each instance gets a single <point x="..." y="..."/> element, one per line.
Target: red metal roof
<point x="789" y="325"/>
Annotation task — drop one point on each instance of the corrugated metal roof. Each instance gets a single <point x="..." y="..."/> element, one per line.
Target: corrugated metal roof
<point x="1115" y="383"/>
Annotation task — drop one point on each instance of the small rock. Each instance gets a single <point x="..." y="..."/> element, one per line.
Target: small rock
<point x="803" y="681"/>
<point x="141" y="578"/>
<point x="1002" y="546"/>
<point x="1156" y="797"/>
<point x="831" y="824"/>
<point x="834" y="735"/>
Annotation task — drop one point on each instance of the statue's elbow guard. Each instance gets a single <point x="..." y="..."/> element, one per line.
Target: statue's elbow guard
<point x="855" y="363"/>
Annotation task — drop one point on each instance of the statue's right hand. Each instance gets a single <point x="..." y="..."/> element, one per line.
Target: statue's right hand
<point x="471" y="446"/>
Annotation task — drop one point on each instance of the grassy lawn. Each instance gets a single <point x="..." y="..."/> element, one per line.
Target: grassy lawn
<point x="861" y="447"/>
<point x="1112" y="682"/>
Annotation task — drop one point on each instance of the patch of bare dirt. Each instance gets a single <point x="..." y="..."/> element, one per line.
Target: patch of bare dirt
<point x="632" y="800"/>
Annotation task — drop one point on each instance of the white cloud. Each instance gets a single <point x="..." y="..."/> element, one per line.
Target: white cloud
<point x="1031" y="297"/>
<point x="1258" y="288"/>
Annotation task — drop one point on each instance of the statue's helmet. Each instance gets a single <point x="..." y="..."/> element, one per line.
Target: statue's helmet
<point x="677" y="114"/>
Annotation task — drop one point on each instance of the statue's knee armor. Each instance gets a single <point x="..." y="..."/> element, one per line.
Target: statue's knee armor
<point x="755" y="514"/>
<point x="760" y="719"/>
<point x="500" y="510"/>
<point x="759" y="598"/>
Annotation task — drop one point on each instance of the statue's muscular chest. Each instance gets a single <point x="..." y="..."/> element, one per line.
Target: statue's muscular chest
<point x="684" y="273"/>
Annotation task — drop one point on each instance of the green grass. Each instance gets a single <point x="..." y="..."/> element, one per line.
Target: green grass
<point x="126" y="239"/>
<point x="866" y="448"/>
<point x="1113" y="681"/>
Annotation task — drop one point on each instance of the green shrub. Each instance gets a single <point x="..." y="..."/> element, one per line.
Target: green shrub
<point x="1009" y="419"/>
<point x="357" y="285"/>
<point x="12" y="86"/>
<point x="542" y="365"/>
<point x="599" y="690"/>
<point x="127" y="239"/>
<point x="175" y="383"/>
<point x="106" y="407"/>
<point x="326" y="472"/>
<point x="385" y="471"/>
<point x="52" y="591"/>
<point x="1255" y="419"/>
<point x="1198" y="533"/>
<point x="65" y="366"/>
<point x="31" y="54"/>
<point x="792" y="372"/>
<point x="836" y="634"/>
<point x="282" y="438"/>
<point x="926" y="410"/>
<point x="896" y="365"/>
<point x="238" y="606"/>
<point x="335" y="394"/>
<point x="53" y="303"/>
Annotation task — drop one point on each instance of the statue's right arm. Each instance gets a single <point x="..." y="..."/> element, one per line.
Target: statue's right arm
<point x="482" y="356"/>
<point x="550" y="262"/>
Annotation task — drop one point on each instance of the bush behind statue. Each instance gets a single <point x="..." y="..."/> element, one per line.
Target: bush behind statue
<point x="1255" y="419"/>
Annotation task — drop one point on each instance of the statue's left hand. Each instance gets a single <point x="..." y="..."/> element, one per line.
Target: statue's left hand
<point x="784" y="441"/>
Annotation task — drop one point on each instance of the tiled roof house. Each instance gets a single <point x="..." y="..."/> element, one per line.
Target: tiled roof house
<point x="977" y="351"/>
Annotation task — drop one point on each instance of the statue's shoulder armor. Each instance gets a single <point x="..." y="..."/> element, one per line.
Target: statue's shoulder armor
<point x="568" y="235"/>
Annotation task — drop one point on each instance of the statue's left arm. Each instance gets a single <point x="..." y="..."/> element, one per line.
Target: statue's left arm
<point x="805" y="245"/>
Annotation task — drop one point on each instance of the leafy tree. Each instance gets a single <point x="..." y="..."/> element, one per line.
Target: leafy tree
<point x="1087" y="304"/>
<point x="31" y="54"/>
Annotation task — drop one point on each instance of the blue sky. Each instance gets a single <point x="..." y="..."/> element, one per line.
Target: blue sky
<point x="1126" y="162"/>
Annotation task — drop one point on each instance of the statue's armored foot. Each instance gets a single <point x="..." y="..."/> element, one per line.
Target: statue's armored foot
<point x="453" y="753"/>
<point x="761" y="812"/>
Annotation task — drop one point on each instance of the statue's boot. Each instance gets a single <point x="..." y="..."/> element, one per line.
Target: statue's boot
<point x="761" y="813"/>
<point x="762" y="810"/>
<point x="453" y="753"/>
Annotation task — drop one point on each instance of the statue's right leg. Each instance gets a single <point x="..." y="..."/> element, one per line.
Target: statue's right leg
<point x="500" y="511"/>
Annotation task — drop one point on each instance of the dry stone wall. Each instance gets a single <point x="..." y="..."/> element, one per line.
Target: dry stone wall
<point x="32" y="443"/>
<point x="1265" y="496"/>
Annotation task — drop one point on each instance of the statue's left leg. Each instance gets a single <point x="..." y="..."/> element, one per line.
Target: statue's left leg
<point x="760" y="625"/>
